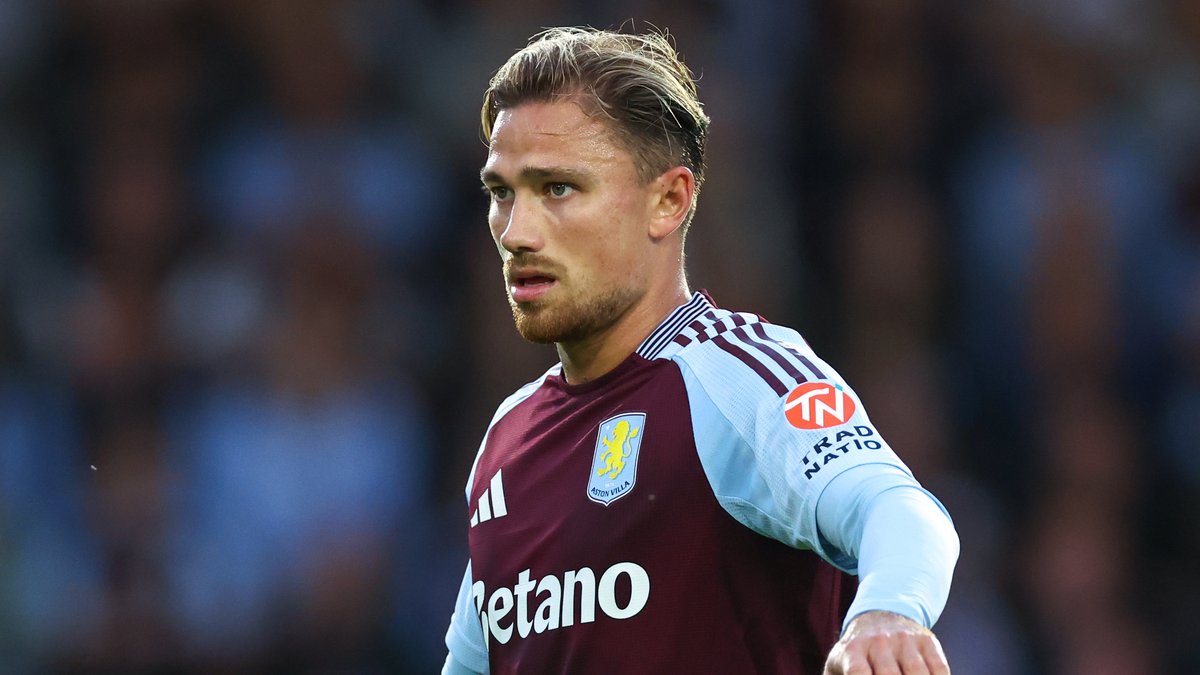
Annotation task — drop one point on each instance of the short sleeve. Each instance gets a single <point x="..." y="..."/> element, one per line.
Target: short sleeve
<point x="464" y="638"/>
<point x="773" y="424"/>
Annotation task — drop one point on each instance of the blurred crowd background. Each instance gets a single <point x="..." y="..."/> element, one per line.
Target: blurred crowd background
<point x="252" y="324"/>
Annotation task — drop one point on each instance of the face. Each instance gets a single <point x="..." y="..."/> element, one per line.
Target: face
<point x="569" y="217"/>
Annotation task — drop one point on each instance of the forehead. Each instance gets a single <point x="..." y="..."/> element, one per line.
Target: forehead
<point x="535" y="135"/>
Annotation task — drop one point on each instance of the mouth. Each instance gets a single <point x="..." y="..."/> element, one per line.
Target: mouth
<point x="529" y="285"/>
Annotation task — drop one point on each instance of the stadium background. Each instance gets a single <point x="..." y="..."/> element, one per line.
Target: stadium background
<point x="244" y="274"/>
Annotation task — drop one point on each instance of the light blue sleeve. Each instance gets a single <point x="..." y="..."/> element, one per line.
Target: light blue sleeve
<point x="900" y="535"/>
<point x="838" y="489"/>
<point x="453" y="667"/>
<point x="464" y="638"/>
<point x="766" y="472"/>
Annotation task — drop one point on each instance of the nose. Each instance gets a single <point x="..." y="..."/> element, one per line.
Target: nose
<point x="522" y="231"/>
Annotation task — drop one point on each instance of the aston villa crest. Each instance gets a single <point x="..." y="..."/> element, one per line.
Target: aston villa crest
<point x="614" y="463"/>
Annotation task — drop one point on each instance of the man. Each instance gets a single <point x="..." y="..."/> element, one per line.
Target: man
<point x="686" y="491"/>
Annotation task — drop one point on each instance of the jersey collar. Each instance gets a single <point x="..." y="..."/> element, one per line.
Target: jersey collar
<point x="676" y="321"/>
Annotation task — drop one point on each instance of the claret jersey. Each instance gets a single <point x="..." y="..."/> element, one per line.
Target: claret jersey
<point x="662" y="518"/>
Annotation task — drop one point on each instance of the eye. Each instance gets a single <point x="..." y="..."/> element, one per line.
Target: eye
<point x="498" y="193"/>
<point x="559" y="190"/>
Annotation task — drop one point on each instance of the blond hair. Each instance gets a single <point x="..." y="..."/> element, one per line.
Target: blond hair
<point x="638" y="82"/>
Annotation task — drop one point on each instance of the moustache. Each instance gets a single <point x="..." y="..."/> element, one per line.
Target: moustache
<point x="531" y="261"/>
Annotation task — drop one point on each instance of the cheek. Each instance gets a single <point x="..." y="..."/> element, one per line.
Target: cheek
<point x="610" y="217"/>
<point x="625" y="227"/>
<point x="495" y="222"/>
<point x="609" y="241"/>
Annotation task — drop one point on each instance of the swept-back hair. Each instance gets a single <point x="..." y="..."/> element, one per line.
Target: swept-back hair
<point x="637" y="82"/>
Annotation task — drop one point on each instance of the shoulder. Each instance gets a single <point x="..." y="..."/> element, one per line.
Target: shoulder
<point x="520" y="395"/>
<point x="767" y="387"/>
<point x="506" y="406"/>
<point x="742" y="356"/>
<point x="768" y="415"/>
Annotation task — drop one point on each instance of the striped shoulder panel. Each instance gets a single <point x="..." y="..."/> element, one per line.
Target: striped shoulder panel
<point x="765" y="349"/>
<point x="676" y="321"/>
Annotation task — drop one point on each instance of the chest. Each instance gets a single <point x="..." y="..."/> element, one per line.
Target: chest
<point x="567" y="479"/>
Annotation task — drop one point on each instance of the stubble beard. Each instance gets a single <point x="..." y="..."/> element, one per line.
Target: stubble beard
<point x="573" y="319"/>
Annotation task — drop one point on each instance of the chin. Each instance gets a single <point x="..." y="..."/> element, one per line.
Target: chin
<point x="543" y="325"/>
<point x="534" y="332"/>
<point x="571" y="321"/>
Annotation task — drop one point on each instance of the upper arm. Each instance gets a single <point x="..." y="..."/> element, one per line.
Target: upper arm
<point x="465" y="638"/>
<point x="453" y="667"/>
<point x="766" y="470"/>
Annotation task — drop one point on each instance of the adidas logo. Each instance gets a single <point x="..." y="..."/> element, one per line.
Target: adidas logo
<point x="491" y="502"/>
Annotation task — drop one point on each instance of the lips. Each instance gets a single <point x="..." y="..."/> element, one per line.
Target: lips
<point x="529" y="285"/>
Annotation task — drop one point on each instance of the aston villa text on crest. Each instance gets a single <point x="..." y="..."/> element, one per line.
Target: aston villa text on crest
<point x="600" y="493"/>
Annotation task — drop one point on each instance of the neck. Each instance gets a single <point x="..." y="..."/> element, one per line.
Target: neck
<point x="587" y="359"/>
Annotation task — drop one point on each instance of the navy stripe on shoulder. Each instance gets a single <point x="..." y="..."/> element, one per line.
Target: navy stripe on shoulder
<point x="728" y="332"/>
<point x="747" y="358"/>
<point x="669" y="329"/>
<point x="812" y="367"/>
<point x="780" y="364"/>
<point x="768" y="347"/>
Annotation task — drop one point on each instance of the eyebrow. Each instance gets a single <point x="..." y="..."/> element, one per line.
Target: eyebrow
<point x="533" y="174"/>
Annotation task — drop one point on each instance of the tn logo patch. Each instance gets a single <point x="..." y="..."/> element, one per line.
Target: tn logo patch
<point x="818" y="405"/>
<point x="614" y="462"/>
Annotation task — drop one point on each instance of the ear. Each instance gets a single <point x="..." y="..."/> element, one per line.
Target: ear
<point x="671" y="200"/>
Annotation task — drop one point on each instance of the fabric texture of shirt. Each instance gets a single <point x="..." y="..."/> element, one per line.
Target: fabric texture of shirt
<point x="664" y="517"/>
